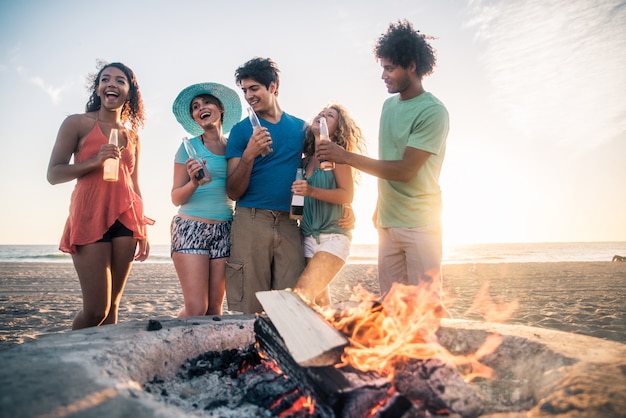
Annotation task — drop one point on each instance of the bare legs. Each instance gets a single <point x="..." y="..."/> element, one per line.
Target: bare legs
<point x="203" y="283"/>
<point x="319" y="272"/>
<point x="102" y="268"/>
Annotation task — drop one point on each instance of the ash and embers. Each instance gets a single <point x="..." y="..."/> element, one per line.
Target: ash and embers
<point x="231" y="383"/>
<point x="235" y="383"/>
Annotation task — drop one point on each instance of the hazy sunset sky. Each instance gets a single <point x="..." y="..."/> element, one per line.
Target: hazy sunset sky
<point x="536" y="91"/>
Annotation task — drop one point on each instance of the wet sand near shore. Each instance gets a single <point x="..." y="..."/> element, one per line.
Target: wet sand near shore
<point x="587" y="298"/>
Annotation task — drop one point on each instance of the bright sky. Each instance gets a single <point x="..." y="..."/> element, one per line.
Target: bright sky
<point x="535" y="90"/>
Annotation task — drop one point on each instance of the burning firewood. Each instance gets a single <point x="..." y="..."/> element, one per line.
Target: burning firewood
<point x="420" y="388"/>
<point x="345" y="393"/>
<point x="310" y="339"/>
<point x="393" y="365"/>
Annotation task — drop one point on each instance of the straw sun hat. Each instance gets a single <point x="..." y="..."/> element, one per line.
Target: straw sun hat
<point x="228" y="97"/>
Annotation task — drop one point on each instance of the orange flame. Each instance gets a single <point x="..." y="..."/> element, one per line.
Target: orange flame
<point x="304" y="403"/>
<point x="403" y="326"/>
<point x="492" y="311"/>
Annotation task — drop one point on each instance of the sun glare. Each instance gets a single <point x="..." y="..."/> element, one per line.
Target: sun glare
<point x="485" y="199"/>
<point x="482" y="200"/>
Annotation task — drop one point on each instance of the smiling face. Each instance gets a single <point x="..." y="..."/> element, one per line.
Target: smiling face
<point x="206" y="110"/>
<point x="260" y="98"/>
<point x="113" y="88"/>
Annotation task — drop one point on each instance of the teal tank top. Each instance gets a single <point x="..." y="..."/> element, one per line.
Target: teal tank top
<point x="321" y="217"/>
<point x="209" y="201"/>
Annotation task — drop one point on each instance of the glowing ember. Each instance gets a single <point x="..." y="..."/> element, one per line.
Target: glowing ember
<point x="403" y="326"/>
<point x="299" y="402"/>
<point x="303" y="405"/>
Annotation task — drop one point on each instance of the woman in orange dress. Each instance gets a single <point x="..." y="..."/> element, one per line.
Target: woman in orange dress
<point x="106" y="227"/>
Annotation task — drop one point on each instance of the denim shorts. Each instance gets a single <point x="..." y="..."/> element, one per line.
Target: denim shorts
<point x="195" y="237"/>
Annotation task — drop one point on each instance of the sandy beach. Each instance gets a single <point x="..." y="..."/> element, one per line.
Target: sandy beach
<point x="580" y="297"/>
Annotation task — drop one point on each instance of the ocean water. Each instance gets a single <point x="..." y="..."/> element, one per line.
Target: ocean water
<point x="366" y="253"/>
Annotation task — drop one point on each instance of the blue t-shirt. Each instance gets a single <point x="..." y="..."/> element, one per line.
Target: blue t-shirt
<point x="271" y="177"/>
<point x="209" y="201"/>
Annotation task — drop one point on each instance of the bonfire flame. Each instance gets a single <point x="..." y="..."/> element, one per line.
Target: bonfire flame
<point x="492" y="311"/>
<point x="403" y="326"/>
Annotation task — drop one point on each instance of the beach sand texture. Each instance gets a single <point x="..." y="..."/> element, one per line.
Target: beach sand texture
<point x="588" y="298"/>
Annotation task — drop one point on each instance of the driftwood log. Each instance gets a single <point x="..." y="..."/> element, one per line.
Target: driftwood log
<point x="309" y="338"/>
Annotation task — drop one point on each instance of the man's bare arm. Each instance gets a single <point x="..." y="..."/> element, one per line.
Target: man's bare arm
<point x="238" y="178"/>
<point x="394" y="170"/>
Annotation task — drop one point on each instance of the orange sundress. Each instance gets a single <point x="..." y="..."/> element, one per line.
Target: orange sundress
<point x="96" y="204"/>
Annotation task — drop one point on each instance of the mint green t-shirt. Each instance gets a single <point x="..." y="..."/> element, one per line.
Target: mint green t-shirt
<point x="421" y="123"/>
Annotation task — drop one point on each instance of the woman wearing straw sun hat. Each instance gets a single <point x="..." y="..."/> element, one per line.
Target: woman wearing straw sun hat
<point x="201" y="228"/>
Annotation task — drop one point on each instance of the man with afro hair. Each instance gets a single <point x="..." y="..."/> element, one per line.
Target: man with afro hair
<point x="413" y="129"/>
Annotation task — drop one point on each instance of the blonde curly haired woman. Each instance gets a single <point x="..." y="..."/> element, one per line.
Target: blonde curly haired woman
<point x="327" y="193"/>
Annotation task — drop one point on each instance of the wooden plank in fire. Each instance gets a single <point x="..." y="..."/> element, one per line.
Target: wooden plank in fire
<point x="345" y="392"/>
<point x="310" y="339"/>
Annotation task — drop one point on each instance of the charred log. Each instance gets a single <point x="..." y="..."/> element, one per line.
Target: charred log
<point x="271" y="390"/>
<point x="344" y="392"/>
<point x="437" y="387"/>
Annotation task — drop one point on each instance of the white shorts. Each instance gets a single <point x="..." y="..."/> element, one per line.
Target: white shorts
<point x="335" y="244"/>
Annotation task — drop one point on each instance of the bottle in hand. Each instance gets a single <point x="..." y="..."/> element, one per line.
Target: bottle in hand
<point x="297" y="201"/>
<point x="325" y="165"/>
<point x="203" y="175"/>
<point x="111" y="165"/>
<point x="254" y="121"/>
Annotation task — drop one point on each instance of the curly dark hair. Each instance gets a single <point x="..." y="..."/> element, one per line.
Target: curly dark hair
<point x="402" y="45"/>
<point x="132" y="111"/>
<point x="263" y="70"/>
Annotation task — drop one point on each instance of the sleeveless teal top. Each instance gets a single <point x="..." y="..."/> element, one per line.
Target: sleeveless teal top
<point x="209" y="201"/>
<point x="321" y="217"/>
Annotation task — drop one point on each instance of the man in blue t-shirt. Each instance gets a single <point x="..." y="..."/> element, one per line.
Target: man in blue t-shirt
<point x="266" y="246"/>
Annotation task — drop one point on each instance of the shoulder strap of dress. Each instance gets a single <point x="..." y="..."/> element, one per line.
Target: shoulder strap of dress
<point x="96" y="125"/>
